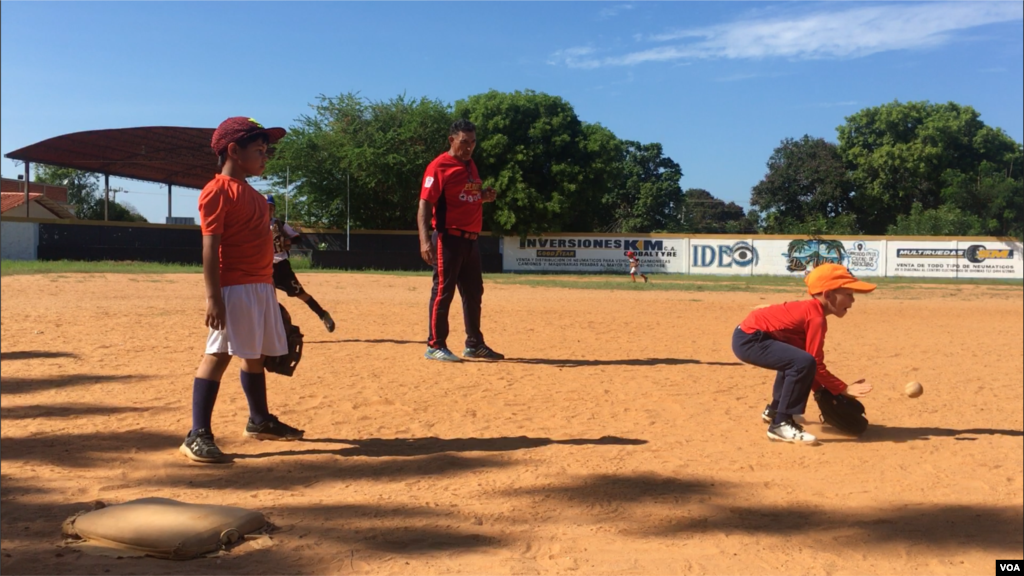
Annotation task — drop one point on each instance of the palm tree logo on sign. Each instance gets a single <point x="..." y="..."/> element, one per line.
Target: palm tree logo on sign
<point x="804" y="255"/>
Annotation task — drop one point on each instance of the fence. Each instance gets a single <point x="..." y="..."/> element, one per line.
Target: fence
<point x="31" y="239"/>
<point x="978" y="257"/>
<point x="934" y="257"/>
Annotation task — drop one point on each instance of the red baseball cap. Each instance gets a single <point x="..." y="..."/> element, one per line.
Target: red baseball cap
<point x="832" y="276"/>
<point x="238" y="127"/>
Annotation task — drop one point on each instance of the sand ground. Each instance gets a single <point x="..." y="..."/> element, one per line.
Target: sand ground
<point x="621" y="436"/>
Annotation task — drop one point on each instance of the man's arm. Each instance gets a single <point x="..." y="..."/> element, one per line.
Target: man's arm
<point x="423" y="221"/>
<point x="211" y="277"/>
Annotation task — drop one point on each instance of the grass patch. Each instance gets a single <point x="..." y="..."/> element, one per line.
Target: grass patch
<point x="681" y="282"/>
<point x="694" y="283"/>
<point x="657" y="284"/>
<point x="23" y="267"/>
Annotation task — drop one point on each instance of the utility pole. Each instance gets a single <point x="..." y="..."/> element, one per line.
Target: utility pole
<point x="28" y="205"/>
<point x="348" y="209"/>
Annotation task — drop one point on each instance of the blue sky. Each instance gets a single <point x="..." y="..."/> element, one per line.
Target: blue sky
<point x="719" y="84"/>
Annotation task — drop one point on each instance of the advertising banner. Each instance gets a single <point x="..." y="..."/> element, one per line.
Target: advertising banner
<point x="923" y="259"/>
<point x="984" y="259"/>
<point x="723" y="256"/>
<point x="795" y="257"/>
<point x="593" y="253"/>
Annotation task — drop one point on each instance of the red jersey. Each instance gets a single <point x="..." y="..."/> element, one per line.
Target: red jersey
<point x="236" y="211"/>
<point x="802" y="325"/>
<point x="454" y="188"/>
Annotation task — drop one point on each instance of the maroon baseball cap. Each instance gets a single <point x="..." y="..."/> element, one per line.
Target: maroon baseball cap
<point x="238" y="127"/>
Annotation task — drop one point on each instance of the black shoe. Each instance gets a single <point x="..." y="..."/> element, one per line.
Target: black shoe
<point x="328" y="322"/>
<point x="272" y="429"/>
<point x="200" y="447"/>
<point x="482" y="352"/>
<point x="768" y="415"/>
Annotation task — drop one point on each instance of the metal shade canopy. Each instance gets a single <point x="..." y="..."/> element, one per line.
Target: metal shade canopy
<point x="165" y="154"/>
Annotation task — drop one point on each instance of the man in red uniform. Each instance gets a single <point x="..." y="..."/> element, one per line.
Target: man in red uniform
<point x="790" y="338"/>
<point x="451" y="202"/>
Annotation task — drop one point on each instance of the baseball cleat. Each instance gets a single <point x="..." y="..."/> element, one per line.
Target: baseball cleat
<point x="442" y="354"/>
<point x="791" y="432"/>
<point x="273" y="429"/>
<point x="768" y="415"/>
<point x="200" y="447"/>
<point x="328" y="322"/>
<point x="482" y="352"/>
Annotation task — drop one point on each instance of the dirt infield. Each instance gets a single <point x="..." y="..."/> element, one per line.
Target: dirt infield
<point x="621" y="437"/>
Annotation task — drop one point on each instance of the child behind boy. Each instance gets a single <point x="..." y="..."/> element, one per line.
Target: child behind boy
<point x="284" y="276"/>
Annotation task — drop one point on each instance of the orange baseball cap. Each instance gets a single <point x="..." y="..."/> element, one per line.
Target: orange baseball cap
<point x="831" y="276"/>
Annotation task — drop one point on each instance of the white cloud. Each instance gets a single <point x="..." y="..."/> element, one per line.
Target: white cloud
<point x="848" y="33"/>
<point x="613" y="11"/>
<point x="576" y="57"/>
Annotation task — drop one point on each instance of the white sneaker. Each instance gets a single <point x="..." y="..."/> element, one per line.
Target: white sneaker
<point x="792" y="432"/>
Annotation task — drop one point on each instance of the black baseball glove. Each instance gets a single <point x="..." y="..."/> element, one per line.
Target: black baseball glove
<point x="286" y="364"/>
<point x="841" y="412"/>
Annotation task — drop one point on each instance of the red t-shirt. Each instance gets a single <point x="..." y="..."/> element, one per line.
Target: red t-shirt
<point x="802" y="325"/>
<point x="236" y="211"/>
<point x="454" y="188"/>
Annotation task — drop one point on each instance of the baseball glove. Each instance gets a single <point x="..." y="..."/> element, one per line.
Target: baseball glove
<point x="841" y="412"/>
<point x="286" y="364"/>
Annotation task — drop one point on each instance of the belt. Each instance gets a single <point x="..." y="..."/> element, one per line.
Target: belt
<point x="462" y="234"/>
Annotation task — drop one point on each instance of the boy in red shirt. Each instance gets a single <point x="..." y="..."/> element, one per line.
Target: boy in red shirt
<point x="634" y="266"/>
<point x="242" y="311"/>
<point x="790" y="338"/>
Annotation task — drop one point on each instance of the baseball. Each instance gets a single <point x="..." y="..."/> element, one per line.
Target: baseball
<point x="913" y="389"/>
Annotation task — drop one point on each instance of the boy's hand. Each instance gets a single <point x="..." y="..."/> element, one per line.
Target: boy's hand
<point x="489" y="195"/>
<point x="858" y="389"/>
<point x="215" y="313"/>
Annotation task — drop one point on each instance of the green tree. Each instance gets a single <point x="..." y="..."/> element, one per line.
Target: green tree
<point x="946" y="220"/>
<point x="537" y="153"/>
<point x="806" y="189"/>
<point x="84" y="194"/>
<point x="649" y="197"/>
<point x="992" y="195"/>
<point x="379" y="148"/>
<point x="702" y="213"/>
<point x="900" y="154"/>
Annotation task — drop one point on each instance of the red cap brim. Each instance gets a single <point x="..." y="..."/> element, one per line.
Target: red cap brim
<point x="274" y="134"/>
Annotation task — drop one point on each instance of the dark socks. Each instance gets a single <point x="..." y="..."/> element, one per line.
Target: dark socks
<point x="315" y="307"/>
<point x="780" y="418"/>
<point x="204" y="396"/>
<point x="254" y="384"/>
